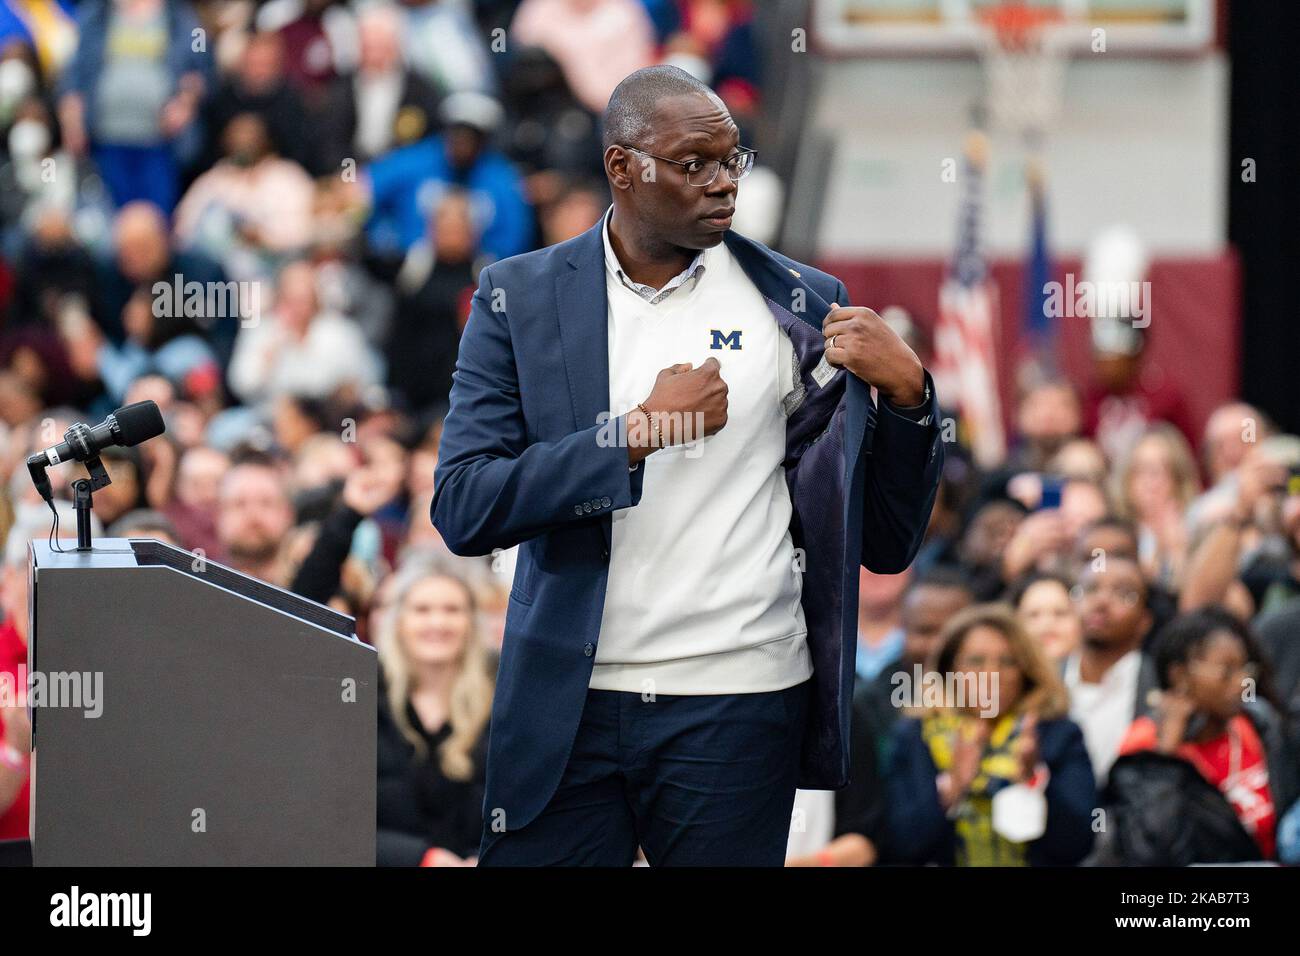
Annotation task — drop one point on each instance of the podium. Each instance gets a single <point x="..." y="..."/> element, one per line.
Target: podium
<point x="193" y="715"/>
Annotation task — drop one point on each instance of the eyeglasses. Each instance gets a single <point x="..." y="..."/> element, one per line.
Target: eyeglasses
<point x="702" y="172"/>
<point x="1125" y="595"/>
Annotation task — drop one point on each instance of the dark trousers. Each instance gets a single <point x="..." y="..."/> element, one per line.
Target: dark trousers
<point x="693" y="780"/>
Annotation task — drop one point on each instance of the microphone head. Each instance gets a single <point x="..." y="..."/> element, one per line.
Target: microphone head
<point x="138" y="422"/>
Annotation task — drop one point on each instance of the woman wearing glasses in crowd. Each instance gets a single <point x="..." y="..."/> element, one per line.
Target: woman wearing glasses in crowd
<point x="1206" y="778"/>
<point x="999" y="780"/>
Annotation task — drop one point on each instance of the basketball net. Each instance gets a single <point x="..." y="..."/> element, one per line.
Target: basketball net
<point x="1024" y="68"/>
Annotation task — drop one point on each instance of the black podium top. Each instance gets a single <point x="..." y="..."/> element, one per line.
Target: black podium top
<point x="147" y="552"/>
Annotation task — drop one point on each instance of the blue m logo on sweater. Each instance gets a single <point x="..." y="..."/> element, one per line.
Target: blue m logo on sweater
<point x="721" y="341"/>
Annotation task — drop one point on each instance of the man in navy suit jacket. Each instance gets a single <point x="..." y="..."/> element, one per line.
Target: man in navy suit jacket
<point x="666" y="681"/>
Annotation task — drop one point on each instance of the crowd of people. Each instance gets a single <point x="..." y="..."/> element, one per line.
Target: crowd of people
<point x="269" y="219"/>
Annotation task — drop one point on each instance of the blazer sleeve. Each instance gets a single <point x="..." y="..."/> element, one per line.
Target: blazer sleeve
<point x="918" y="827"/>
<point x="1071" y="798"/>
<point x="904" y="463"/>
<point x="492" y="487"/>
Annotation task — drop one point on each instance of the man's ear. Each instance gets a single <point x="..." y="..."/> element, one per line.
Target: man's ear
<point x="618" y="167"/>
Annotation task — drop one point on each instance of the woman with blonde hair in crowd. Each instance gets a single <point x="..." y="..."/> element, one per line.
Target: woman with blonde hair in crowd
<point x="992" y="772"/>
<point x="1155" y="484"/>
<point x="435" y="702"/>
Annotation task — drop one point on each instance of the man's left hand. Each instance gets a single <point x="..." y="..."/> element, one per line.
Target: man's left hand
<point x="866" y="346"/>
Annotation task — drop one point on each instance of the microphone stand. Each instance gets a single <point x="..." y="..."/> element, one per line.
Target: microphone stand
<point x="81" y="491"/>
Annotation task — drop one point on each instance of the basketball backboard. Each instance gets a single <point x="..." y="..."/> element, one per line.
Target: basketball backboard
<point x="903" y="27"/>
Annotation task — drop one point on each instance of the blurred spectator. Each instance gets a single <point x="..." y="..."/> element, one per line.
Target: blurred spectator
<point x="1044" y="539"/>
<point x="192" y="507"/>
<point x="433" y="292"/>
<point x="259" y="85"/>
<point x="929" y="603"/>
<point x="549" y="132"/>
<point x="1048" y="416"/>
<point x="1109" y="677"/>
<point x="47" y="26"/>
<point x="1231" y="432"/>
<point x="40" y="181"/>
<point x="365" y="491"/>
<point x="718" y="36"/>
<point x="1043" y="604"/>
<point x="434" y="704"/>
<point x="1081" y="459"/>
<point x="573" y="211"/>
<point x="1205" y="778"/>
<point x="253" y="517"/>
<point x="1155" y="482"/>
<point x="144" y="523"/>
<point x="299" y="349"/>
<point x="405" y="186"/>
<point x="131" y="95"/>
<point x="570" y="30"/>
<point x="53" y="268"/>
<point x="880" y="610"/>
<point x="316" y="34"/>
<point x="252" y="210"/>
<point x="980" y="551"/>
<point x="446" y="47"/>
<point x="1003" y="781"/>
<point x="143" y="256"/>
<point x="384" y="104"/>
<point x="38" y="357"/>
<point x="1128" y="394"/>
<point x="167" y="345"/>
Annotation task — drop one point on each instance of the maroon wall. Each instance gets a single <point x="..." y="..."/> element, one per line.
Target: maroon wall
<point x="1194" y="335"/>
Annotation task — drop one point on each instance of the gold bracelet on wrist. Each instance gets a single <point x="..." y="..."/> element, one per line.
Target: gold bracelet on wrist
<point x="654" y="425"/>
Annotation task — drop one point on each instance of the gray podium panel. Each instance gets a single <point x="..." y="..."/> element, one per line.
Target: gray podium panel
<point x="235" y="725"/>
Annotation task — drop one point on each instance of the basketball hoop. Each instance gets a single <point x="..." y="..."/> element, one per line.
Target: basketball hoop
<point x="1024" y="66"/>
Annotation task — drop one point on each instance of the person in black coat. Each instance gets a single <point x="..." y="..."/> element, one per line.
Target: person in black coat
<point x="434" y="285"/>
<point x="434" y="705"/>
<point x="991" y="772"/>
<point x="384" y="105"/>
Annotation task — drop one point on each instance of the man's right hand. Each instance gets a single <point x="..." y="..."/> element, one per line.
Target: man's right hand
<point x="688" y="404"/>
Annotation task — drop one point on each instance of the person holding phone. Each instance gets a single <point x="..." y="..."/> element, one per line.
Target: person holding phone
<point x="1207" y="775"/>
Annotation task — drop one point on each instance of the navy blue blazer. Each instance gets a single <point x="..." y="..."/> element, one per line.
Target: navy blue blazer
<point x="525" y="460"/>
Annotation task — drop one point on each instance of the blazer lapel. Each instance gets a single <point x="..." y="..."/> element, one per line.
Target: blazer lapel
<point x="781" y="284"/>
<point x="582" y="316"/>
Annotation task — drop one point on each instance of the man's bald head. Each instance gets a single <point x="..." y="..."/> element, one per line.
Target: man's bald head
<point x="630" y="115"/>
<point x="141" y="241"/>
<point x="662" y="127"/>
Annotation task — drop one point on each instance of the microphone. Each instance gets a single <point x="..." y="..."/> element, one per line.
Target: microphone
<point x="128" y="426"/>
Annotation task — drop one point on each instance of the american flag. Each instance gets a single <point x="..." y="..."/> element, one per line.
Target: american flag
<point x="965" y="337"/>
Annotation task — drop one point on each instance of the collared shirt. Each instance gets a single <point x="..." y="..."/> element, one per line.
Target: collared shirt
<point x="1103" y="710"/>
<point x="912" y="413"/>
<point x="652" y="295"/>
